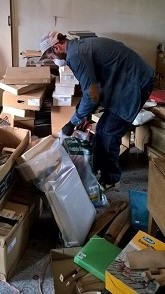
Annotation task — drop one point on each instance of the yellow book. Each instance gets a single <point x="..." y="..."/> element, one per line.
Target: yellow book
<point x="121" y="279"/>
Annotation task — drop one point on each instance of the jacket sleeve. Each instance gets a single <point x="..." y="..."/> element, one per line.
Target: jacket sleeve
<point x="83" y="69"/>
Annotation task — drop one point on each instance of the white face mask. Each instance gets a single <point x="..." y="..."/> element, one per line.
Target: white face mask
<point x="60" y="62"/>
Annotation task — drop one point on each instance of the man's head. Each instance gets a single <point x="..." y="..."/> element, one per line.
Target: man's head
<point x="53" y="45"/>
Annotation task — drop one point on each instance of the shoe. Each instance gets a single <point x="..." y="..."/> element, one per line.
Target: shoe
<point x="106" y="187"/>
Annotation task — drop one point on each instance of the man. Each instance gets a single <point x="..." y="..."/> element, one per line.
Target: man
<point x="111" y="75"/>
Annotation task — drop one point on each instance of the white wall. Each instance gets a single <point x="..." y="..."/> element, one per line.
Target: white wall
<point x="138" y="23"/>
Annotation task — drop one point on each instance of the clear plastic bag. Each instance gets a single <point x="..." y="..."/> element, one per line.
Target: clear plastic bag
<point x="55" y="174"/>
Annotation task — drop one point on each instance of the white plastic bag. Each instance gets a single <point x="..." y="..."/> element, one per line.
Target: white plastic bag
<point x="55" y="174"/>
<point x="143" y="117"/>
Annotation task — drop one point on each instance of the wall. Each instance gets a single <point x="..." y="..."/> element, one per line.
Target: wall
<point x="138" y="23"/>
<point x="5" y="37"/>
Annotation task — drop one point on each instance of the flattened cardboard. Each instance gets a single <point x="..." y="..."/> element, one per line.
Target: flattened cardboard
<point x="29" y="101"/>
<point x="27" y="75"/>
<point x="19" y="89"/>
<point x="12" y="240"/>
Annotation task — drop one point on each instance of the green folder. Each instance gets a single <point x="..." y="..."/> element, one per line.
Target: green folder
<point x="96" y="256"/>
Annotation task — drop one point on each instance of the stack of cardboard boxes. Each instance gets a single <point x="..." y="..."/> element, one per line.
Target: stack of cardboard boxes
<point x="24" y="89"/>
<point x="65" y="99"/>
<point x="13" y="217"/>
<point x="20" y="203"/>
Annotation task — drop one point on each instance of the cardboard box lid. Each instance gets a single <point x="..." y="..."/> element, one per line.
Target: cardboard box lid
<point x="62" y="263"/>
<point x="10" y="217"/>
<point x="27" y="75"/>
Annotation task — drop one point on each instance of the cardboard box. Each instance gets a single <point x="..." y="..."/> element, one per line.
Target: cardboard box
<point x="63" y="88"/>
<point x="18" y="122"/>
<point x="18" y="89"/>
<point x="156" y="189"/>
<point x="25" y="124"/>
<point x="158" y="111"/>
<point x="117" y="282"/>
<point x="17" y="112"/>
<point x="31" y="53"/>
<point x="27" y="194"/>
<point x="62" y="263"/>
<point x="30" y="100"/>
<point x="27" y="75"/>
<point x="35" y="148"/>
<point x="158" y="138"/>
<point x="13" y="138"/>
<point x="154" y="153"/>
<point x="7" y="185"/>
<point x="30" y="170"/>
<point x="158" y="122"/>
<point x="67" y="76"/>
<point x="59" y="100"/>
<point x="60" y="115"/>
<point x="142" y="136"/>
<point x="160" y="63"/>
<point x="14" y="231"/>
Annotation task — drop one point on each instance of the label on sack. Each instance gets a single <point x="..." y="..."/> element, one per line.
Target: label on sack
<point x="33" y="102"/>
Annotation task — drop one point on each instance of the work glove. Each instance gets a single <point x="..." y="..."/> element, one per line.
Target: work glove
<point x="68" y="129"/>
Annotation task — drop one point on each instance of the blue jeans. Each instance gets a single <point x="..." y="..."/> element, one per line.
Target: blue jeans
<point x="109" y="132"/>
<point x="106" y="144"/>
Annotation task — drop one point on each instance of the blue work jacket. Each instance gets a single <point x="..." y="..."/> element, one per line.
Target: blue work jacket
<point x="119" y="72"/>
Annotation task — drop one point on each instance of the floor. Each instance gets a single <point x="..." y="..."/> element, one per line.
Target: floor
<point x="33" y="273"/>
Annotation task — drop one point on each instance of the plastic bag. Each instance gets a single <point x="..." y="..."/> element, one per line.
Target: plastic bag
<point x="80" y="152"/>
<point x="143" y="117"/>
<point x="139" y="211"/>
<point x="55" y="174"/>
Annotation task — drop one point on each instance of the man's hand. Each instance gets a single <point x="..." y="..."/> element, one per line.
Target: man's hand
<point x="68" y="129"/>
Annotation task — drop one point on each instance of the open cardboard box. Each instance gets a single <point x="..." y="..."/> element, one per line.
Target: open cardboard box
<point x="62" y="263"/>
<point x="14" y="231"/>
<point x="13" y="138"/>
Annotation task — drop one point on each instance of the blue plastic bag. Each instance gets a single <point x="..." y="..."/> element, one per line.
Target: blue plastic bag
<point x="139" y="211"/>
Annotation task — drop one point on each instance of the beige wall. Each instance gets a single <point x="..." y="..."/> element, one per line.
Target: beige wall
<point x="138" y="23"/>
<point x="5" y="40"/>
